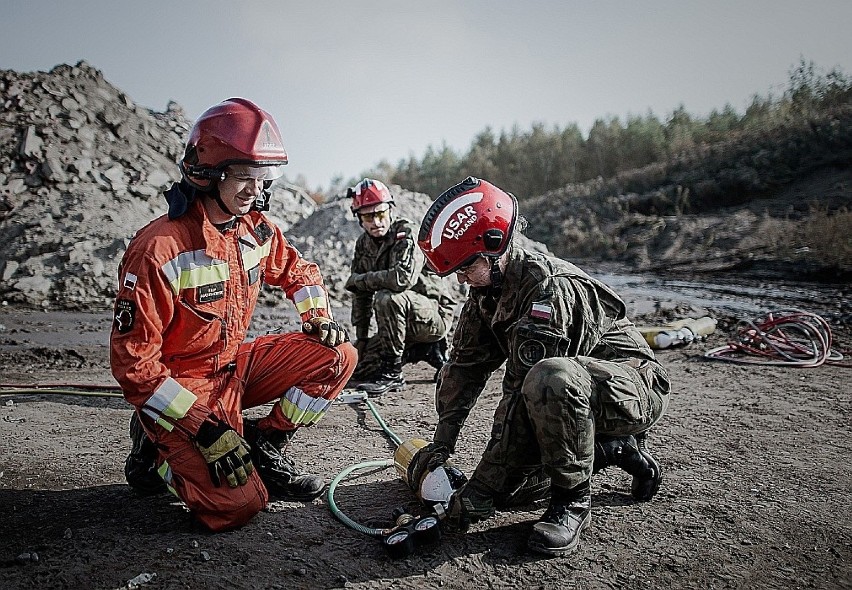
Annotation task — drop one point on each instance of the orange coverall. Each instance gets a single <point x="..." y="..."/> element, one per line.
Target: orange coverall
<point x="185" y="300"/>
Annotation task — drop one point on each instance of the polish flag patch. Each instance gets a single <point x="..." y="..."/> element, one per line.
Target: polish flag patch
<point x="400" y="235"/>
<point x="541" y="311"/>
<point x="130" y="281"/>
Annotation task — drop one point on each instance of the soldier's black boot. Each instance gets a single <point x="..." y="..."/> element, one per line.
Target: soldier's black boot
<point x="437" y="355"/>
<point x="140" y="467"/>
<point x="388" y="378"/>
<point x="569" y="513"/>
<point x="634" y="458"/>
<point x="277" y="470"/>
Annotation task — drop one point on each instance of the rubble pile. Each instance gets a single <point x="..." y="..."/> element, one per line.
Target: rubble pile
<point x="82" y="167"/>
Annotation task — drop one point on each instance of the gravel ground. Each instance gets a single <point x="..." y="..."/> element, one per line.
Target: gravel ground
<point x="755" y="492"/>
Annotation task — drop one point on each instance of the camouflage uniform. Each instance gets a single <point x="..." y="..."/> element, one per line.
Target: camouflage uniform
<point x="411" y="303"/>
<point x="575" y="365"/>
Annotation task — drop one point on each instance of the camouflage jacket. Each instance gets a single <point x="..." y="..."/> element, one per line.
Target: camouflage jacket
<point x="546" y="308"/>
<point x="394" y="263"/>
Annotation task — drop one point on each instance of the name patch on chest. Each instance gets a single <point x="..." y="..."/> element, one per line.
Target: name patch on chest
<point x="211" y="292"/>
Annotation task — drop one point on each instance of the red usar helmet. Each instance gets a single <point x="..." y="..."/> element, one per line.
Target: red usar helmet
<point x="368" y="192"/>
<point x="473" y="218"/>
<point x="235" y="131"/>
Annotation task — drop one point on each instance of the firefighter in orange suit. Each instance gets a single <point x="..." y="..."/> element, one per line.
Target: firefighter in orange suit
<point x="188" y="285"/>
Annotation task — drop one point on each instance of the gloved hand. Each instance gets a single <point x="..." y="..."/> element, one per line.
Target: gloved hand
<point x="327" y="330"/>
<point x="434" y="454"/>
<point x="428" y="459"/>
<point x="225" y="451"/>
<point x="468" y="506"/>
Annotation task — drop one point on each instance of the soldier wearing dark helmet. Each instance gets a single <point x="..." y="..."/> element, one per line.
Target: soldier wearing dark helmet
<point x="411" y="305"/>
<point x="581" y="386"/>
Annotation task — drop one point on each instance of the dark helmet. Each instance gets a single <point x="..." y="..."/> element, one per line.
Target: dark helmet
<point x="235" y="131"/>
<point x="473" y="218"/>
<point x="368" y="192"/>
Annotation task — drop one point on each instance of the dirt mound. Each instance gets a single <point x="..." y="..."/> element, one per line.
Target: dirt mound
<point x="82" y="167"/>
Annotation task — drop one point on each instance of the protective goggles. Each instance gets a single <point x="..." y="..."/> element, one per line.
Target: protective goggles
<point x="467" y="266"/>
<point x="247" y="173"/>
<point x="379" y="215"/>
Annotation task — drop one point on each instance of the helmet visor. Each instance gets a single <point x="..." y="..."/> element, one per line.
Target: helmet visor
<point x="244" y="172"/>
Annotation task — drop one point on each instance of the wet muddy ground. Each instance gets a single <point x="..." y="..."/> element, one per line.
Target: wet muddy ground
<point x="755" y="492"/>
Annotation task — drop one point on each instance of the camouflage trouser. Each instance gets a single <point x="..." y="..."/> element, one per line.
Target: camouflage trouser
<point x="553" y="420"/>
<point x="402" y="318"/>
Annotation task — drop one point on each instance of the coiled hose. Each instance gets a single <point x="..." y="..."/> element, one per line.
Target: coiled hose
<point x="788" y="337"/>
<point x="381" y="463"/>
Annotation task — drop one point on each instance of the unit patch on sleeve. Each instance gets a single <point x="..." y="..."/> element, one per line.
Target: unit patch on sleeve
<point x="531" y="351"/>
<point x="263" y="232"/>
<point x="211" y="292"/>
<point x="125" y="315"/>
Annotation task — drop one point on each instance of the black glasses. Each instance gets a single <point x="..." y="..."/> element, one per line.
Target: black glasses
<point x="465" y="268"/>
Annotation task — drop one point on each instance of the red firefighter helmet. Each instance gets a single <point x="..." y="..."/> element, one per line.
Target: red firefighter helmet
<point x="368" y="192"/>
<point x="235" y="131"/>
<point x="473" y="218"/>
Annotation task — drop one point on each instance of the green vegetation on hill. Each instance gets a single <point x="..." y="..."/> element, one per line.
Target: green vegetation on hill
<point x="770" y="189"/>
<point x="533" y="162"/>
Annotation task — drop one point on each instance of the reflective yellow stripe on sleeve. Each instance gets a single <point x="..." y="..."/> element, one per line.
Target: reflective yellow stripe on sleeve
<point x="301" y="408"/>
<point x="171" y="399"/>
<point x="310" y="297"/>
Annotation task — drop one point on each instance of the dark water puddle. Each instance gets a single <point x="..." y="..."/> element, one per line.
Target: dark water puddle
<point x="737" y="297"/>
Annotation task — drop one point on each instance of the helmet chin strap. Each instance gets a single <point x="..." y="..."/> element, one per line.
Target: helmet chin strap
<point x="222" y="205"/>
<point x="496" y="286"/>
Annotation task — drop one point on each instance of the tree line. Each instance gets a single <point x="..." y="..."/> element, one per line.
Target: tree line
<point x="534" y="161"/>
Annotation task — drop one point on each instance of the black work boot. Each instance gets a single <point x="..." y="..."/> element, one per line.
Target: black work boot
<point x="569" y="513"/>
<point x="632" y="457"/>
<point x="388" y="378"/>
<point x="140" y="467"/>
<point x="434" y="353"/>
<point x="277" y="470"/>
<point x="437" y="355"/>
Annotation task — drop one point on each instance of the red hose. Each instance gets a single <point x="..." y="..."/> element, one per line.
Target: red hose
<point x="786" y="337"/>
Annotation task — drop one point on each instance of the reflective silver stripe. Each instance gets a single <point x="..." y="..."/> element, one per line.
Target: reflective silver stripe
<point x="301" y="408"/>
<point x="165" y="472"/>
<point x="251" y="252"/>
<point x="158" y="418"/>
<point x="310" y="297"/>
<point x="171" y="399"/>
<point x="194" y="269"/>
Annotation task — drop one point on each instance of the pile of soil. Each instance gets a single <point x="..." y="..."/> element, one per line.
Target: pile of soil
<point x="82" y="167"/>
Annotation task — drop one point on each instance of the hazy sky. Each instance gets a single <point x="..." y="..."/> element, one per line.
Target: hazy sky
<point x="353" y="82"/>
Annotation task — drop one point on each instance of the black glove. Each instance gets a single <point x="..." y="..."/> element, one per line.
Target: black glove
<point x="327" y="330"/>
<point x="225" y="451"/>
<point x="428" y="459"/>
<point x="468" y="506"/>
